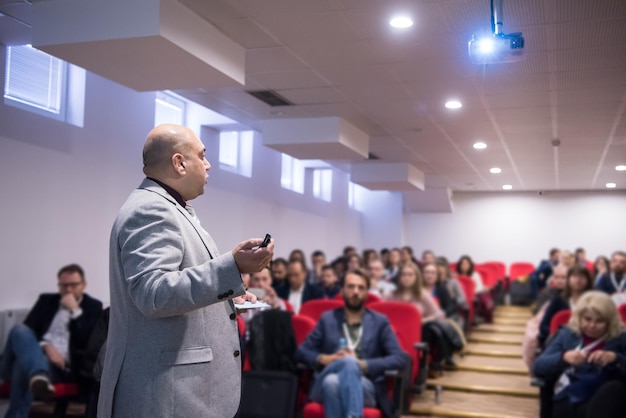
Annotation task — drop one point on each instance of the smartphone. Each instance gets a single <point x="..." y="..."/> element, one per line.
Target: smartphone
<point x="259" y="293"/>
<point x="266" y="241"/>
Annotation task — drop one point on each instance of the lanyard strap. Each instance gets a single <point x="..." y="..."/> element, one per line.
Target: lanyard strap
<point x="591" y="345"/>
<point x="620" y="287"/>
<point x="352" y="344"/>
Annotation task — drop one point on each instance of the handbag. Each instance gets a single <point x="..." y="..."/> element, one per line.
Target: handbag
<point x="583" y="384"/>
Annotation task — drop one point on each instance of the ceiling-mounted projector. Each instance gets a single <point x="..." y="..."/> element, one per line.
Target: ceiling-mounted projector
<point x="498" y="47"/>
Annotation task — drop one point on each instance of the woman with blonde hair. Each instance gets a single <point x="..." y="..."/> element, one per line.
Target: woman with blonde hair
<point x="587" y="354"/>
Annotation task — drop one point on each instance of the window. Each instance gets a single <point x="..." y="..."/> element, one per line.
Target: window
<point x="355" y="192"/>
<point x="236" y="152"/>
<point x="292" y="174"/>
<point x="40" y="83"/>
<point x="323" y="184"/>
<point x="169" y="108"/>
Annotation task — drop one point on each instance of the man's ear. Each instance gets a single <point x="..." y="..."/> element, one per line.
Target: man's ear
<point x="178" y="163"/>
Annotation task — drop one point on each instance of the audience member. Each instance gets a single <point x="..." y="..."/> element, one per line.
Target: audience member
<point x="578" y="282"/>
<point x="49" y="346"/>
<point x="600" y="267"/>
<point x="428" y="256"/>
<point x="262" y="282"/>
<point x="434" y="329"/>
<point x="406" y="255"/>
<point x="369" y="255"/>
<point x="580" y="255"/>
<point x="354" y="262"/>
<point x="340" y="267"/>
<point x="539" y="277"/>
<point x="483" y="299"/>
<point x="379" y="285"/>
<point x="348" y="251"/>
<point x="330" y="282"/>
<point x="384" y="256"/>
<point x="434" y="285"/>
<point x="299" y="290"/>
<point x="586" y="354"/>
<point x="298" y="254"/>
<point x="351" y="348"/>
<point x="393" y="264"/>
<point x="318" y="260"/>
<point x="613" y="281"/>
<point x="568" y="259"/>
<point x="452" y="284"/>
<point x="279" y="273"/>
<point x="530" y="343"/>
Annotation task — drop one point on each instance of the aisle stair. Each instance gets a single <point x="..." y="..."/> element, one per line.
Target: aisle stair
<point x="490" y="380"/>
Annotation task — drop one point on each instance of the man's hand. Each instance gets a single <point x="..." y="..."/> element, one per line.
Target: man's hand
<point x="245" y="297"/>
<point x="575" y="357"/>
<point x="54" y="356"/>
<point x="326" y="359"/>
<point x="270" y="297"/>
<point x="250" y="258"/>
<point x="69" y="302"/>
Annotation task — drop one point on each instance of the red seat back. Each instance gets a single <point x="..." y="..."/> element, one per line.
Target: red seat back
<point x="488" y="274"/>
<point x="406" y="321"/>
<point x="520" y="268"/>
<point x="499" y="268"/>
<point x="302" y="327"/>
<point x="315" y="308"/>
<point x="622" y="311"/>
<point x="469" y="289"/>
<point x="560" y="318"/>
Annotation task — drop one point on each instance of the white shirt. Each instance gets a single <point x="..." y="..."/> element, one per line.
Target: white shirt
<point x="295" y="298"/>
<point x="59" y="332"/>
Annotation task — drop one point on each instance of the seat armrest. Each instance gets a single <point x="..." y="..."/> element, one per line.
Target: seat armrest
<point x="537" y="382"/>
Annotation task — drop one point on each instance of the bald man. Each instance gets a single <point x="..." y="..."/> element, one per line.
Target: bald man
<point x="173" y="346"/>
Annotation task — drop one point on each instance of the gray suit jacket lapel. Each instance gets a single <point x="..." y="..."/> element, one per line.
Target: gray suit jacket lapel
<point x="208" y="242"/>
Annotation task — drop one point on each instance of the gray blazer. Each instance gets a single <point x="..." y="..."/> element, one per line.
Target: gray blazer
<point x="173" y="346"/>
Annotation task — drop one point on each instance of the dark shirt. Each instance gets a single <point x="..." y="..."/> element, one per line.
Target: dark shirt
<point x="171" y="191"/>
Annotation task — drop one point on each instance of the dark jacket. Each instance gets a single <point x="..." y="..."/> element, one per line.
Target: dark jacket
<point x="379" y="348"/>
<point x="550" y="364"/>
<point x="41" y="315"/>
<point x="543" y="272"/>
<point x="606" y="285"/>
<point x="556" y="305"/>
<point x="310" y="292"/>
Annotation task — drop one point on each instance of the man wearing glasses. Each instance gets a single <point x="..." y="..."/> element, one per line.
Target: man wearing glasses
<point x="46" y="347"/>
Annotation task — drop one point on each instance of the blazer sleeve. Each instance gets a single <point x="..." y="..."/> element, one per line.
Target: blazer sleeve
<point x="152" y="251"/>
<point x="550" y="363"/>
<point x="311" y="348"/>
<point x="393" y="357"/>
<point x="41" y="314"/>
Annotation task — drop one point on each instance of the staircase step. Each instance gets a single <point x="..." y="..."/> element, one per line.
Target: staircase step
<point x="467" y="381"/>
<point x="490" y="364"/>
<point x="496" y="338"/>
<point x="474" y="405"/>
<point x="509" y="321"/>
<point x="493" y="350"/>
<point x="500" y="329"/>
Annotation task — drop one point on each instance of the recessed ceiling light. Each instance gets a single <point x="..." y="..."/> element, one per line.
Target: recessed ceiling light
<point x="507" y="187"/>
<point x="620" y="167"/>
<point x="611" y="185"/>
<point x="401" y="22"/>
<point x="480" y="145"/>
<point x="495" y="170"/>
<point x="453" y="104"/>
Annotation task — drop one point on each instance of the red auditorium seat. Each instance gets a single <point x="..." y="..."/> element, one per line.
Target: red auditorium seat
<point x="315" y="308"/>
<point x="469" y="289"/>
<point x="622" y="312"/>
<point x="520" y="268"/>
<point x="561" y="318"/>
<point x="302" y="327"/>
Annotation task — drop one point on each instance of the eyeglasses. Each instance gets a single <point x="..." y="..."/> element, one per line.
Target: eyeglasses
<point x="69" y="285"/>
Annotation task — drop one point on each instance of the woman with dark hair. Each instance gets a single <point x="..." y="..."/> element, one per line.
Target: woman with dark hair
<point x="578" y="282"/>
<point x="600" y="267"/>
<point x="453" y="286"/>
<point x="483" y="300"/>
<point x="410" y="289"/>
<point x="588" y="354"/>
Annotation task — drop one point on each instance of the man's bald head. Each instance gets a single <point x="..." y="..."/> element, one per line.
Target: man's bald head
<point x="161" y="144"/>
<point x="175" y="156"/>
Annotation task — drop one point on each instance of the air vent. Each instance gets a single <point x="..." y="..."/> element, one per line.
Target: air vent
<point x="270" y="97"/>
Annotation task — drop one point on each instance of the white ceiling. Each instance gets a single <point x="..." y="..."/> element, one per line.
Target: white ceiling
<point x="341" y="58"/>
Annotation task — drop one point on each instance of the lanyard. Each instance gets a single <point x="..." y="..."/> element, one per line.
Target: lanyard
<point x="352" y="344"/>
<point x="620" y="287"/>
<point x="591" y="345"/>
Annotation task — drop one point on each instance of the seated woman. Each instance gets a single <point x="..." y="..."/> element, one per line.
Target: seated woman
<point x="410" y="289"/>
<point x="452" y="285"/>
<point x="433" y="284"/>
<point x="578" y="282"/>
<point x="588" y="353"/>
<point x="483" y="298"/>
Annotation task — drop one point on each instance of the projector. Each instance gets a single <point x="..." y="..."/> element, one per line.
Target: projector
<point x="496" y="49"/>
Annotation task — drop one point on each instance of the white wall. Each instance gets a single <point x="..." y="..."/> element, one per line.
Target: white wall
<point x="522" y="226"/>
<point x="62" y="186"/>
